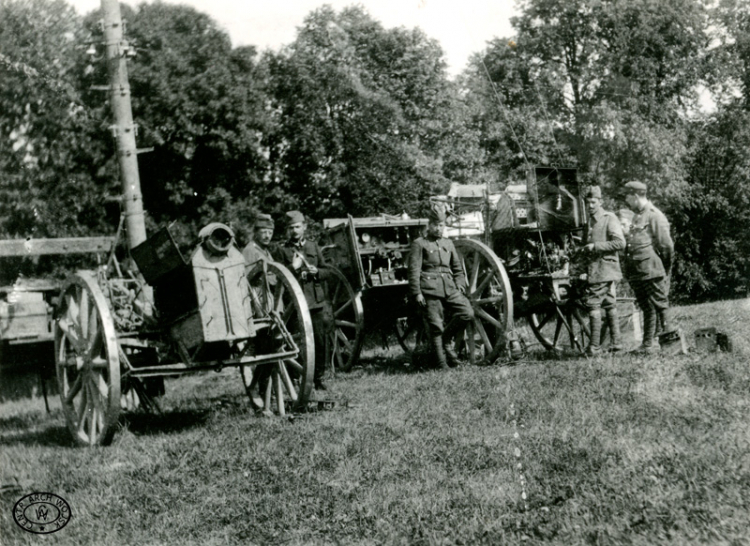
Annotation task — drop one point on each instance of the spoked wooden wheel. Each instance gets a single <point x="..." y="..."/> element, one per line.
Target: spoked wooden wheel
<point x="561" y="327"/>
<point x="286" y="383"/>
<point x="349" y="321"/>
<point x="87" y="361"/>
<point x="489" y="291"/>
<point x="411" y="332"/>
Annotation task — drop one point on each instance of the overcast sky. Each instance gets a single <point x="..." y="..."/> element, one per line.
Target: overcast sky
<point x="461" y="26"/>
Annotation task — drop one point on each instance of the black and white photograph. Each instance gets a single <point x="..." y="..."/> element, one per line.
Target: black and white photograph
<point x="375" y="272"/>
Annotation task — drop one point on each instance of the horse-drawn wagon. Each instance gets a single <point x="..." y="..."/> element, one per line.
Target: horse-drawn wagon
<point x="151" y="309"/>
<point x="116" y="329"/>
<point x="518" y="247"/>
<point x="371" y="255"/>
<point x="535" y="229"/>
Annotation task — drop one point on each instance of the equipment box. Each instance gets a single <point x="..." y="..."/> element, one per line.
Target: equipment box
<point x="25" y="318"/>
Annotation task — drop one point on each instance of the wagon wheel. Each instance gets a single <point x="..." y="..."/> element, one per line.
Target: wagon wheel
<point x="349" y="320"/>
<point x="285" y="383"/>
<point x="561" y="327"/>
<point x="87" y="361"/>
<point x="411" y="332"/>
<point x="489" y="291"/>
<point x="140" y="394"/>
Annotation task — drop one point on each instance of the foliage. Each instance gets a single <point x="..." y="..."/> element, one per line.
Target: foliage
<point x="50" y="179"/>
<point x="604" y="81"/>
<point x="355" y="118"/>
<point x="720" y="198"/>
<point x="626" y="450"/>
<point x="200" y="104"/>
<point x="366" y="119"/>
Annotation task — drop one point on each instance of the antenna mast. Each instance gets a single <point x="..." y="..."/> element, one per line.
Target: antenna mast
<point x="124" y="130"/>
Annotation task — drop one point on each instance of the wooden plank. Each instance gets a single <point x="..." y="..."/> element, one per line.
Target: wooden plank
<point x="70" y="245"/>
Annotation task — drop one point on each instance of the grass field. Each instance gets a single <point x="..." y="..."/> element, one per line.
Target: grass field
<point x="627" y="450"/>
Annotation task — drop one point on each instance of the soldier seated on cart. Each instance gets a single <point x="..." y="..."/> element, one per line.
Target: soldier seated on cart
<point x="305" y="259"/>
<point x="437" y="280"/>
<point x="604" y="240"/>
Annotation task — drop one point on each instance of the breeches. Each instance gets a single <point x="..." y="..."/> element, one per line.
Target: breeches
<point x="458" y="306"/>
<point x="601" y="295"/>
<point x="651" y="294"/>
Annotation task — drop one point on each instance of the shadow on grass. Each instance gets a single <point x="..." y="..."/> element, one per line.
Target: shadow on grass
<point x="147" y="424"/>
<point x="16" y="422"/>
<point x="425" y="361"/>
<point x="401" y="364"/>
<point x="51" y="436"/>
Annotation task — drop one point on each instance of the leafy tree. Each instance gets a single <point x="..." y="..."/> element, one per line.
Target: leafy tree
<point x="53" y="160"/>
<point x="50" y="183"/>
<point x="716" y="261"/>
<point x="365" y="117"/>
<point x="600" y="76"/>
<point x="201" y="105"/>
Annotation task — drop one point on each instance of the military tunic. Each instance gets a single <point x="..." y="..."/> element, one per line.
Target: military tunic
<point x="648" y="257"/>
<point x="603" y="268"/>
<point x="316" y="295"/>
<point x="314" y="288"/>
<point x="650" y="247"/>
<point x="435" y="272"/>
<point x="253" y="253"/>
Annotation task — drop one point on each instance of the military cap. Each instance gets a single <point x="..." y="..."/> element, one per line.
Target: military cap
<point x="593" y="192"/>
<point x="295" y="217"/>
<point x="263" y="221"/>
<point x="436" y="213"/>
<point x="635" y="187"/>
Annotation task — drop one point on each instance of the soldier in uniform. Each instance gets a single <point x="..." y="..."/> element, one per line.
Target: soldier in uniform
<point x="437" y="280"/>
<point x="260" y="247"/>
<point x="648" y="262"/>
<point x="305" y="259"/>
<point x="604" y="239"/>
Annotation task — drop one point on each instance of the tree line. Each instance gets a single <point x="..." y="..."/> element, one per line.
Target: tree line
<point x="352" y="117"/>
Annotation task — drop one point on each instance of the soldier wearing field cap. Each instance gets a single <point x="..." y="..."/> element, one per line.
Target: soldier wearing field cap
<point x="260" y="247"/>
<point x="437" y="281"/>
<point x="603" y="241"/>
<point x="648" y="262"/>
<point x="305" y="259"/>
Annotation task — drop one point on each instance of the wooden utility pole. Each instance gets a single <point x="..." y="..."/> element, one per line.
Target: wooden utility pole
<point x="117" y="51"/>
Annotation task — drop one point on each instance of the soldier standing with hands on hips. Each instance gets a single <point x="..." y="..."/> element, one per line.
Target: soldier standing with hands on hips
<point x="604" y="239"/>
<point x="436" y="281"/>
<point x="648" y="262"/>
<point x="305" y="259"/>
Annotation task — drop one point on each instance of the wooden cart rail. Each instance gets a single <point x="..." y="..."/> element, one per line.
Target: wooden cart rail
<point x="38" y="247"/>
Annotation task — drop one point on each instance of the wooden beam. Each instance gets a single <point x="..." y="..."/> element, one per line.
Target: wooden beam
<point x="38" y="247"/>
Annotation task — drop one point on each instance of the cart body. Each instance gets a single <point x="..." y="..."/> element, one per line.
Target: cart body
<point x="535" y="228"/>
<point x="372" y="255"/>
<point x="119" y="330"/>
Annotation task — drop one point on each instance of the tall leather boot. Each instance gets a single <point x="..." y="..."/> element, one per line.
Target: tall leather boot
<point x="595" y="324"/>
<point x="613" y="322"/>
<point x="649" y="332"/>
<point x="448" y="335"/>
<point x="664" y="323"/>
<point x="437" y="344"/>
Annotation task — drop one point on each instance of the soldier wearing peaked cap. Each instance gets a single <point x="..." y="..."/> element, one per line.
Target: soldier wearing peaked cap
<point x="305" y="259"/>
<point x="648" y="262"/>
<point x="259" y="251"/>
<point x="436" y="281"/>
<point x="603" y="241"/>
<point x="260" y="248"/>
